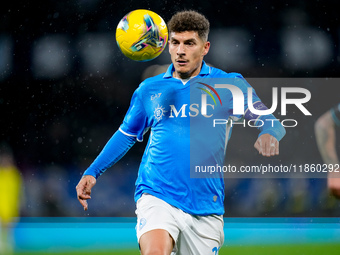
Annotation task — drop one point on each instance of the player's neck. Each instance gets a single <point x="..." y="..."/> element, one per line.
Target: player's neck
<point x="184" y="81"/>
<point x="184" y="78"/>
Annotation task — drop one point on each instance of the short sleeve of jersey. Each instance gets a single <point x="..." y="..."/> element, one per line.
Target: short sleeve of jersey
<point x="135" y="121"/>
<point x="335" y="111"/>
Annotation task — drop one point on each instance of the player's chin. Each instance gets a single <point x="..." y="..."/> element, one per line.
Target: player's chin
<point x="183" y="72"/>
<point x="181" y="67"/>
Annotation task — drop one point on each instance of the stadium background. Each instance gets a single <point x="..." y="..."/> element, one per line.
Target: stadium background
<point x="65" y="88"/>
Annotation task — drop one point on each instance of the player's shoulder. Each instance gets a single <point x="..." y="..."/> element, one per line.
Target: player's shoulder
<point x="152" y="80"/>
<point x="150" y="84"/>
<point x="219" y="73"/>
<point x="234" y="78"/>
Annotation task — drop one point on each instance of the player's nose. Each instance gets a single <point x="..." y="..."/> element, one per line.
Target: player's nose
<point x="180" y="49"/>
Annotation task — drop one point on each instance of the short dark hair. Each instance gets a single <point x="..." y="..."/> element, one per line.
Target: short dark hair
<point x="190" y="21"/>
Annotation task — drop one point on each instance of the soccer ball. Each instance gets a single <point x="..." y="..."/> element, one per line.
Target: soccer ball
<point x="142" y="35"/>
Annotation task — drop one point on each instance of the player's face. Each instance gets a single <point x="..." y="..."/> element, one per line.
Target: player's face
<point x="187" y="50"/>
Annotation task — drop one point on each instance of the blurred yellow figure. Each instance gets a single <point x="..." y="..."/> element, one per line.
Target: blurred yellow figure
<point x="10" y="193"/>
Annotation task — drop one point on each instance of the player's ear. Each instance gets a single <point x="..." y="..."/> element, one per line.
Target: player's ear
<point x="206" y="48"/>
<point x="169" y="40"/>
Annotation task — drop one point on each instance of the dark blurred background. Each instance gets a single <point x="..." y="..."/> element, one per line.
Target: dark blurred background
<point x="65" y="87"/>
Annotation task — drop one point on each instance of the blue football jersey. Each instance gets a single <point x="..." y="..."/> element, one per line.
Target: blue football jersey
<point x="184" y="134"/>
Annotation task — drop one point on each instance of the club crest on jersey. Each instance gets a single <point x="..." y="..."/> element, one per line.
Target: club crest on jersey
<point x="142" y="223"/>
<point x="159" y="112"/>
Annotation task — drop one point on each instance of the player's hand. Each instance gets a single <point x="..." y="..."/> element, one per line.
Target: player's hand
<point x="333" y="183"/>
<point x="84" y="189"/>
<point x="267" y="145"/>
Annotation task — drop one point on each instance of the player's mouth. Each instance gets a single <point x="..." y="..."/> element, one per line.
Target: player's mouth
<point x="181" y="62"/>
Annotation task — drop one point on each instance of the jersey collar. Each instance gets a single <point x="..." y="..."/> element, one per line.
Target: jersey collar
<point x="204" y="70"/>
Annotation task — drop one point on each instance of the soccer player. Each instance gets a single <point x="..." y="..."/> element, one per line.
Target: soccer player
<point x="325" y="132"/>
<point x="176" y="213"/>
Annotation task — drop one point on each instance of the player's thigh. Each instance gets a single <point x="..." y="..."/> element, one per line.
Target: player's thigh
<point x="157" y="241"/>
<point x="156" y="224"/>
<point x="205" y="236"/>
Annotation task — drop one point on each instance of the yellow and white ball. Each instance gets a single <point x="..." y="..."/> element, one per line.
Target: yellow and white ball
<point x="142" y="35"/>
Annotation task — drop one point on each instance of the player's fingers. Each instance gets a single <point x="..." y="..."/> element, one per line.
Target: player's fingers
<point x="273" y="148"/>
<point x="83" y="203"/>
<point x="265" y="149"/>
<point x="81" y="190"/>
<point x="87" y="190"/>
<point x="90" y="182"/>
<point x="277" y="148"/>
<point x="257" y="146"/>
<point x="84" y="196"/>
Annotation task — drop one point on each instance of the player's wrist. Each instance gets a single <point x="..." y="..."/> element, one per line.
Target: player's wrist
<point x="88" y="174"/>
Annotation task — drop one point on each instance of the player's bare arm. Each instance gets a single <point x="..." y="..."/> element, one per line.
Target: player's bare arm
<point x="325" y="138"/>
<point x="267" y="145"/>
<point x="83" y="189"/>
